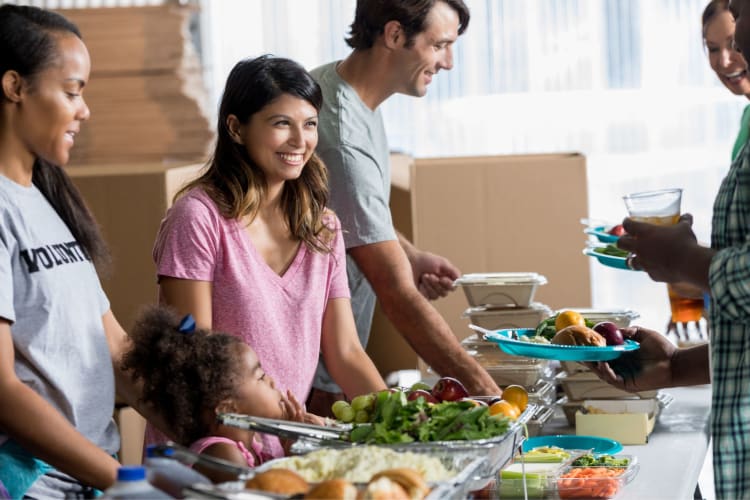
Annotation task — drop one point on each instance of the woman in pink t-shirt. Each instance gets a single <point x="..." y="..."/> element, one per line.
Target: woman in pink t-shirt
<point x="249" y="247"/>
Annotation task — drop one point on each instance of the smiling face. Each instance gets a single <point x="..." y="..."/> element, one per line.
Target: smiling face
<point x="281" y="137"/>
<point x="728" y="64"/>
<point x="51" y="106"/>
<point x="257" y="394"/>
<point x="429" y="51"/>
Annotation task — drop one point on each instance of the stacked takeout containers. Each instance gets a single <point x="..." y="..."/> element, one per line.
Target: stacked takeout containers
<point x="591" y="404"/>
<point x="505" y="300"/>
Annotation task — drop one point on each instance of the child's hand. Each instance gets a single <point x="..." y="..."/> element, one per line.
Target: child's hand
<point x="295" y="411"/>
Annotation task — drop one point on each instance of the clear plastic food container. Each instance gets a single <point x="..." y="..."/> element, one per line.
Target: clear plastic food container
<point x="489" y="354"/>
<point x="620" y="317"/>
<point x="496" y="318"/>
<point x="586" y="385"/>
<point x="526" y="375"/>
<point x="500" y="289"/>
<point x="595" y="481"/>
<point x="539" y="479"/>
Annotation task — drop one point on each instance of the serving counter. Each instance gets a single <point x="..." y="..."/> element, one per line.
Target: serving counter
<point x="671" y="462"/>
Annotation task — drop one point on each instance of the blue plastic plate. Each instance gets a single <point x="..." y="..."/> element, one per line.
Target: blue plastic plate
<point x="608" y="260"/>
<point x="601" y="234"/>
<point x="597" y="445"/>
<point x="504" y="339"/>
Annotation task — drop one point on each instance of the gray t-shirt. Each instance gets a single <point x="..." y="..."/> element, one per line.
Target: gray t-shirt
<point x="50" y="292"/>
<point x="354" y="147"/>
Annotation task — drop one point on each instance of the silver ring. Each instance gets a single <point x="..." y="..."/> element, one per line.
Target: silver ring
<point x="629" y="261"/>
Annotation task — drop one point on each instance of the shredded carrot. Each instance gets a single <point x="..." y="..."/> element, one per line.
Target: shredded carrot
<point x="589" y="482"/>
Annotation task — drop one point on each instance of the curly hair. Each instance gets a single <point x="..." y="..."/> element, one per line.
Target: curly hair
<point x="235" y="183"/>
<point x="185" y="375"/>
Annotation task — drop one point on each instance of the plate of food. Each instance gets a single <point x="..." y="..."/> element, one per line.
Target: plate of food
<point x="605" y="234"/>
<point x="609" y="255"/>
<point x="597" y="445"/>
<point x="525" y="342"/>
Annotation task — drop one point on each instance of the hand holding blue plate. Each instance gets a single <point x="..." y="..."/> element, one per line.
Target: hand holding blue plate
<point x="510" y="342"/>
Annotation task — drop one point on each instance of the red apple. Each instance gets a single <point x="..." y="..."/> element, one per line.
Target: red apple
<point x="429" y="398"/>
<point x="617" y="230"/>
<point x="610" y="332"/>
<point x="449" y="389"/>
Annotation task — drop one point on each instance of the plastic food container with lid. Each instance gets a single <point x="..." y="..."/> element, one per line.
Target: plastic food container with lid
<point x="586" y="385"/>
<point x="595" y="481"/>
<point x="620" y="317"/>
<point x="497" y="318"/>
<point x="500" y="289"/>
<point x="488" y="354"/>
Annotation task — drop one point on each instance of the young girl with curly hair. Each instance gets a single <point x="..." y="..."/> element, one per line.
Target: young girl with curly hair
<point x="191" y="375"/>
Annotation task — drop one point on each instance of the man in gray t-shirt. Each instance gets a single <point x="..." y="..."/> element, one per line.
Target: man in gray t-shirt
<point x="398" y="48"/>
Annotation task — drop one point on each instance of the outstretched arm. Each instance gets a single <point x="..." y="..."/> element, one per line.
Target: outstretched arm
<point x="388" y="270"/>
<point x="656" y="364"/>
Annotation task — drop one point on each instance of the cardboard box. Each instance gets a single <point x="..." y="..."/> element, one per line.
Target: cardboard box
<point x="514" y="213"/>
<point x="627" y="421"/>
<point x="129" y="202"/>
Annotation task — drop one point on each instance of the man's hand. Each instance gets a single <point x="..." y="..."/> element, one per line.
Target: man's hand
<point x="659" y="250"/>
<point x="647" y="368"/>
<point x="433" y="275"/>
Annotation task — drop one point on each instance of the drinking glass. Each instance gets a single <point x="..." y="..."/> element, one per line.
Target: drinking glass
<point x="662" y="207"/>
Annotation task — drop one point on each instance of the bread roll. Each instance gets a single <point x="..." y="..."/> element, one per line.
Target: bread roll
<point x="383" y="489"/>
<point x="578" y="335"/>
<point x="409" y="479"/>
<point x="283" y="481"/>
<point x="338" y="489"/>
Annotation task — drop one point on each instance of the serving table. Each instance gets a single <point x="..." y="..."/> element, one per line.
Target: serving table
<point x="671" y="461"/>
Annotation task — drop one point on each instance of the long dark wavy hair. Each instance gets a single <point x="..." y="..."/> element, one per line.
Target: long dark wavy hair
<point x="185" y="375"/>
<point x="371" y="16"/>
<point x="28" y="45"/>
<point x="235" y="183"/>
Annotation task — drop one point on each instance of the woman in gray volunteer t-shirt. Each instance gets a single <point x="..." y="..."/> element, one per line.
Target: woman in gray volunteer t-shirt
<point x="58" y="337"/>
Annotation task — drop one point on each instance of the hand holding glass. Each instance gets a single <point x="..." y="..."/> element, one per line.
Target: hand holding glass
<point x="662" y="208"/>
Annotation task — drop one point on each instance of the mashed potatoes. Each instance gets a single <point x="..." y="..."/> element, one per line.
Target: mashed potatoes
<point x="360" y="463"/>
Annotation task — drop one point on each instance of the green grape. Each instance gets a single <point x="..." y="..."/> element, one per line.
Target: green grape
<point x="362" y="417"/>
<point x="346" y="414"/>
<point x="338" y="408"/>
<point x="363" y="402"/>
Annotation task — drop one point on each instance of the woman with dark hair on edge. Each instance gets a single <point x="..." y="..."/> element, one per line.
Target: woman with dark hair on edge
<point x="249" y="247"/>
<point x="59" y="340"/>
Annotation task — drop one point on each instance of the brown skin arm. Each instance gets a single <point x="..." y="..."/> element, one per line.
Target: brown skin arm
<point x="655" y="365"/>
<point x="388" y="270"/>
<point x="37" y="426"/>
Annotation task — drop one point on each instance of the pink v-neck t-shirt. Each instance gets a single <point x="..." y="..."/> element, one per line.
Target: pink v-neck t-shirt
<point x="280" y="317"/>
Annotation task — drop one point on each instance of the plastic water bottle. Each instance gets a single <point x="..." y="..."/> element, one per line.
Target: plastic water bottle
<point x="131" y="483"/>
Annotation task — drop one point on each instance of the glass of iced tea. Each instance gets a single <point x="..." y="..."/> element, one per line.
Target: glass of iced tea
<point x="662" y="207"/>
